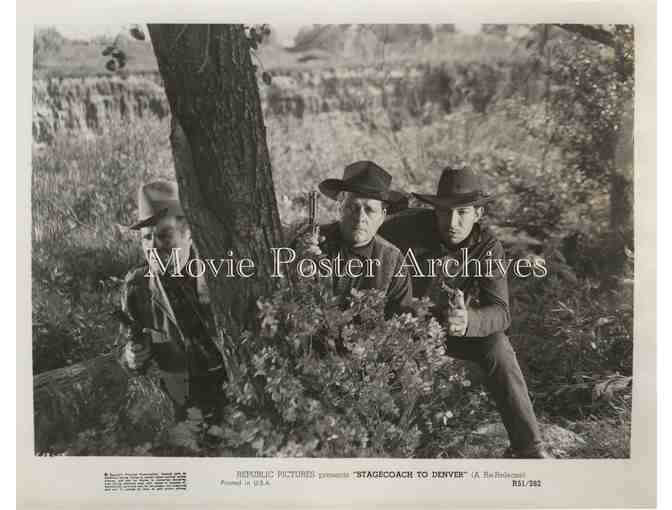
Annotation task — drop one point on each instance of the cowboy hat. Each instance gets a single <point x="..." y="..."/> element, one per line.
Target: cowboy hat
<point x="457" y="188"/>
<point x="366" y="179"/>
<point x="156" y="200"/>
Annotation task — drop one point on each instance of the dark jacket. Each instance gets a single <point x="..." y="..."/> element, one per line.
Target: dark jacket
<point x="487" y="297"/>
<point x="179" y="327"/>
<point x="397" y="289"/>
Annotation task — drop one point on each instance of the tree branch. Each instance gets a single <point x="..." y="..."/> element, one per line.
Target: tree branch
<point x="591" y="32"/>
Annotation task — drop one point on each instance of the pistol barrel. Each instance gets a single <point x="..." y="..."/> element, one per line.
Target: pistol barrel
<point x="312" y="209"/>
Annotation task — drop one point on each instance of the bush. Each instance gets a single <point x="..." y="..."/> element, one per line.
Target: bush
<point x="330" y="379"/>
<point x="574" y="339"/>
<point x="319" y="377"/>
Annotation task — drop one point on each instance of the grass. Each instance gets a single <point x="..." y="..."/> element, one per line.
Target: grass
<point x="83" y="195"/>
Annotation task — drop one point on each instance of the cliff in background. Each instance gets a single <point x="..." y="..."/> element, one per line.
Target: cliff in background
<point x="88" y="103"/>
<point x="81" y="104"/>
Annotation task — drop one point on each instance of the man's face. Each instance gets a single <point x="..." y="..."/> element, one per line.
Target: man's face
<point x="169" y="232"/>
<point x="360" y="219"/>
<point x="455" y="225"/>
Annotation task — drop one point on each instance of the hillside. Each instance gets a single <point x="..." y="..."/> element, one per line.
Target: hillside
<point x="330" y="68"/>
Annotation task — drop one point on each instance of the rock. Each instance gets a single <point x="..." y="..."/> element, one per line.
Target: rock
<point x="557" y="439"/>
<point x="98" y="396"/>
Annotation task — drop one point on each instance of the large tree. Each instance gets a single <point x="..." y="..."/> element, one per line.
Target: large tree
<point x="586" y="73"/>
<point x="616" y="149"/>
<point x="221" y="157"/>
<point x="226" y="186"/>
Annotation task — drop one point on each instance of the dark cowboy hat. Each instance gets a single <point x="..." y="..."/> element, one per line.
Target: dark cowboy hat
<point x="457" y="188"/>
<point x="156" y="200"/>
<point x="366" y="179"/>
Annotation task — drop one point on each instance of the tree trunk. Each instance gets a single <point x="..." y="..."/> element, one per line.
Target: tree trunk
<point x="221" y="159"/>
<point x="621" y="193"/>
<point x="224" y="173"/>
<point x="97" y="394"/>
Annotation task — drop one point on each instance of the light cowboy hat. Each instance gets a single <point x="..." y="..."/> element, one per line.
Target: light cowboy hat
<point x="366" y="179"/>
<point x="457" y="188"/>
<point x="156" y="200"/>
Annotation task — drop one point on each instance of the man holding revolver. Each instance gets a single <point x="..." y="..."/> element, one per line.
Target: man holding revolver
<point x="364" y="198"/>
<point x="473" y="306"/>
<point x="170" y="317"/>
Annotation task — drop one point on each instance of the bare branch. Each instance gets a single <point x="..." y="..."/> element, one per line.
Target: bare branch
<point x="591" y="32"/>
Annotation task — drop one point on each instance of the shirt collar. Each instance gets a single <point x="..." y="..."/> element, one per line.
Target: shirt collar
<point x="184" y="272"/>
<point x="363" y="252"/>
<point x="473" y="238"/>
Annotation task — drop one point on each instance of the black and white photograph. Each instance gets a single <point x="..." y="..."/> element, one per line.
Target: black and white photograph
<point x="404" y="241"/>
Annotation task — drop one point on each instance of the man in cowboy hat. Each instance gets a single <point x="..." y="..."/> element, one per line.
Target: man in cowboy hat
<point x="473" y="309"/>
<point x="364" y="197"/>
<point x="170" y="317"/>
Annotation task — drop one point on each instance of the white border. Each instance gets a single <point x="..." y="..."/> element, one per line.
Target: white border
<point x="72" y="481"/>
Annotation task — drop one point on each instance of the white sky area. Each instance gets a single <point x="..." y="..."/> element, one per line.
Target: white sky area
<point x="285" y="30"/>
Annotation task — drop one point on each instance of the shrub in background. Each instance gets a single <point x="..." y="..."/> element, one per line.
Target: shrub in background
<point x="574" y="338"/>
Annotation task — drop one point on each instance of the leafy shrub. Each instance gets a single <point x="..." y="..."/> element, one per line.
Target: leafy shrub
<point x="68" y="329"/>
<point x="320" y="379"/>
<point x="573" y="335"/>
<point x="331" y="379"/>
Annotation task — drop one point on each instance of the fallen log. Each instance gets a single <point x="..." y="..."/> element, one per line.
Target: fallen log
<point x="98" y="395"/>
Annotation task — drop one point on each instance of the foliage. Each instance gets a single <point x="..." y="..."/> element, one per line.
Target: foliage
<point x="327" y="381"/>
<point x="588" y="100"/>
<point x="83" y="191"/>
<point x="46" y="41"/>
<point x="325" y="378"/>
<point x="535" y="136"/>
<point x="574" y="338"/>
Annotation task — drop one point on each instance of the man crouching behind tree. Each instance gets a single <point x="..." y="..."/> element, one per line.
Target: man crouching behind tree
<point x="364" y="197"/>
<point x="473" y="309"/>
<point x="170" y="317"/>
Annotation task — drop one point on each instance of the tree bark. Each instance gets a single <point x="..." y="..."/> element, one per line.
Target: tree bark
<point x="86" y="395"/>
<point x="223" y="170"/>
<point x="221" y="159"/>
<point x="621" y="192"/>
